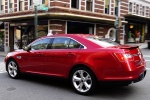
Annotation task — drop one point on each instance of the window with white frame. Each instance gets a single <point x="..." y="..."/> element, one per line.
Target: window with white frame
<point x="1" y="6"/>
<point x="89" y="5"/>
<point x="11" y="4"/>
<point x="107" y="6"/>
<point x="21" y="5"/>
<point x="137" y="9"/>
<point x="130" y="6"/>
<point x="75" y="4"/>
<point x="116" y="7"/>
<point x="143" y="10"/>
<point x="43" y="1"/>
<point x="31" y="2"/>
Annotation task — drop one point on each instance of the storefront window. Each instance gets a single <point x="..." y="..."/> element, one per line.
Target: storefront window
<point x="136" y="32"/>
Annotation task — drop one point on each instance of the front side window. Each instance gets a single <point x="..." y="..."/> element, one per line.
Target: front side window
<point x="41" y="44"/>
<point x="89" y="4"/>
<point x="107" y="6"/>
<point x="75" y="4"/>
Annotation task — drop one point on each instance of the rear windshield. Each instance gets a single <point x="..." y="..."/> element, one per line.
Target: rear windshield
<point x="104" y="42"/>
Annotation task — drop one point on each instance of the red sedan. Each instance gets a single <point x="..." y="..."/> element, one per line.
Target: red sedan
<point x="84" y="59"/>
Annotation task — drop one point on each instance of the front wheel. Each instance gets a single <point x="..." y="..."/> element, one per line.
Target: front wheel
<point x="13" y="69"/>
<point x="83" y="80"/>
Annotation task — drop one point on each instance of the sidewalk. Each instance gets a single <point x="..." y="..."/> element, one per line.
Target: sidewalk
<point x="3" y="54"/>
<point x="141" y="45"/>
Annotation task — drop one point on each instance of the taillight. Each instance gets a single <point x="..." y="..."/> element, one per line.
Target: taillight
<point x="123" y="57"/>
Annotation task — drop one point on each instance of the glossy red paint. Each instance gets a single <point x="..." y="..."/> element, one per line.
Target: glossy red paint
<point x="102" y="61"/>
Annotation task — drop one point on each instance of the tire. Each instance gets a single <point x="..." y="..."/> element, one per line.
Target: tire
<point x="83" y="81"/>
<point x="13" y="69"/>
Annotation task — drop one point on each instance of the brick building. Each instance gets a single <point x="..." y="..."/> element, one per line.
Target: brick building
<point x="67" y="16"/>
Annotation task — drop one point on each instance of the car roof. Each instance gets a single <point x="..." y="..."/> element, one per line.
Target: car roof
<point x="70" y="35"/>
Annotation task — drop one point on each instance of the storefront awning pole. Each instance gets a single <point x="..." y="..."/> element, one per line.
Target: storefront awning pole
<point x="35" y="21"/>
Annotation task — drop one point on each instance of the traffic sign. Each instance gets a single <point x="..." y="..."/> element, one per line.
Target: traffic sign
<point x="42" y="7"/>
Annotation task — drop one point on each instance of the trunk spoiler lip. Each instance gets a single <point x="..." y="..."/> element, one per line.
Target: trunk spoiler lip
<point x="126" y="46"/>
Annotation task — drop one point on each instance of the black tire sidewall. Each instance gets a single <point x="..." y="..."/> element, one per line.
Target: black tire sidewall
<point x="91" y="90"/>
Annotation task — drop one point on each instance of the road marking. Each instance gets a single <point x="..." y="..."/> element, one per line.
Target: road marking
<point x="147" y="60"/>
<point x="148" y="68"/>
<point x="3" y="72"/>
<point x="146" y="55"/>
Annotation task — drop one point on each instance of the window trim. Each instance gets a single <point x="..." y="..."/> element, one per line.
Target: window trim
<point x="69" y="38"/>
<point x="79" y="5"/>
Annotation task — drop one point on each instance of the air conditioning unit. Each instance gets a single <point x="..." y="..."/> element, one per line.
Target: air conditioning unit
<point x="11" y="10"/>
<point x="31" y="7"/>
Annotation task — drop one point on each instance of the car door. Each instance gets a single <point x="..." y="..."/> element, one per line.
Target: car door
<point x="61" y="56"/>
<point x="36" y="56"/>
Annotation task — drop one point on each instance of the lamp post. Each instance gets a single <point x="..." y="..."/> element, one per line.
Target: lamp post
<point x="35" y="21"/>
<point x="117" y="20"/>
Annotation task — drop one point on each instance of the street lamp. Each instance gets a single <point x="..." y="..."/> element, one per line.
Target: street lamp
<point x="117" y="19"/>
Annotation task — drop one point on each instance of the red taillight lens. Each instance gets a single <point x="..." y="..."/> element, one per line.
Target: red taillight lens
<point x="123" y="57"/>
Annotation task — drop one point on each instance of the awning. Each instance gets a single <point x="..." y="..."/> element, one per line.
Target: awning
<point x="137" y="18"/>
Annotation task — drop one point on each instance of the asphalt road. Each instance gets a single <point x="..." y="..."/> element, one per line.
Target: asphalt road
<point x="32" y="87"/>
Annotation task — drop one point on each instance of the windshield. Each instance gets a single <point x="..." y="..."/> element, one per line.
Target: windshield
<point x="104" y="42"/>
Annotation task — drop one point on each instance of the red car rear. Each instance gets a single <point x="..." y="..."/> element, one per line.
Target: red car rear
<point x="84" y="59"/>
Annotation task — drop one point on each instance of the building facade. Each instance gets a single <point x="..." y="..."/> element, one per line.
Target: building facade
<point x="138" y="18"/>
<point x="69" y="16"/>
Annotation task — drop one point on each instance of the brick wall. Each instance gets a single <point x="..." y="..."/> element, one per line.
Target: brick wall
<point x="57" y="26"/>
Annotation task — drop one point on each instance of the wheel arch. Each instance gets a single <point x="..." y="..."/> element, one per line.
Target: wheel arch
<point x="9" y="59"/>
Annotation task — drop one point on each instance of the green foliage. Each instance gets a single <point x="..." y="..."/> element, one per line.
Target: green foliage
<point x="2" y="35"/>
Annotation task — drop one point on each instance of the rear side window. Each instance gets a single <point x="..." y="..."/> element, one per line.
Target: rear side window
<point x="73" y="44"/>
<point x="102" y="41"/>
<point x="65" y="43"/>
<point x="60" y="43"/>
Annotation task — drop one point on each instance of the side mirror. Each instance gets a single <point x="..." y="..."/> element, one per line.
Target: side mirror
<point x="27" y="48"/>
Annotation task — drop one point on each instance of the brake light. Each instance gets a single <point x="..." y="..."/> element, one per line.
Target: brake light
<point x="123" y="57"/>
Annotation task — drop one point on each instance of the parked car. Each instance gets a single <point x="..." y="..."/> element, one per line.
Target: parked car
<point x="85" y="60"/>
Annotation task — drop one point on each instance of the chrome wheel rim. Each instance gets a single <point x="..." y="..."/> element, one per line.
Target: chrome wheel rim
<point x="12" y="69"/>
<point x="82" y="81"/>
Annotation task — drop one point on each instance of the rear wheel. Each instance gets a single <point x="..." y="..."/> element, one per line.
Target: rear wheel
<point x="13" y="69"/>
<point x="83" y="80"/>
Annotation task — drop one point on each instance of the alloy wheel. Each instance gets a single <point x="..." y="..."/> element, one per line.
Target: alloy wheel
<point x="83" y="80"/>
<point x="12" y="69"/>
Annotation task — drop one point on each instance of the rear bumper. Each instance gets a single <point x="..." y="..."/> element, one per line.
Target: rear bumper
<point x="134" y="74"/>
<point x="141" y="77"/>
